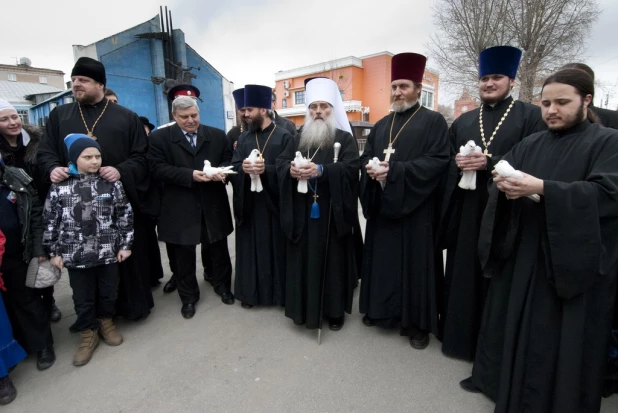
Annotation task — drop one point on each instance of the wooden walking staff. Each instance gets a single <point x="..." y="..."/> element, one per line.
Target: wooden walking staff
<point x="337" y="148"/>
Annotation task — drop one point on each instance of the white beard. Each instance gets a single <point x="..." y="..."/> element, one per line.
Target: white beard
<point x="317" y="134"/>
<point x="401" y="107"/>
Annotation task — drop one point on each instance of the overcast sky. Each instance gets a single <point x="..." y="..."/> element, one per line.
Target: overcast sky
<point x="248" y="41"/>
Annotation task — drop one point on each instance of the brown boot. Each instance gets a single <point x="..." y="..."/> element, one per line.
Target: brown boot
<point x="108" y="332"/>
<point x="90" y="341"/>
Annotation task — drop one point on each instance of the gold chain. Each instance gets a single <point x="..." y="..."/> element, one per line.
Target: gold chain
<point x="493" y="135"/>
<point x="264" y="148"/>
<point x="91" y="132"/>
<point x="390" y="137"/>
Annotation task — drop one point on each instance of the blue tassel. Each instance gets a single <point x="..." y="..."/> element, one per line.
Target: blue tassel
<point x="315" y="210"/>
<point x="73" y="169"/>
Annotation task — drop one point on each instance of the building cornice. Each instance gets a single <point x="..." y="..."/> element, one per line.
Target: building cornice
<point x="319" y="68"/>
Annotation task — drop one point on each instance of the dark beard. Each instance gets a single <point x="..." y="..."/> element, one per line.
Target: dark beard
<point x="256" y="124"/>
<point x="572" y="122"/>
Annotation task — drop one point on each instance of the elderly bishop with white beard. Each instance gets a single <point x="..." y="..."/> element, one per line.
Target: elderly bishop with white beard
<point x="321" y="269"/>
<point x="400" y="279"/>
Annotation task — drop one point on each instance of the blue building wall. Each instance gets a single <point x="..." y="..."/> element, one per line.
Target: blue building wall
<point x="38" y="114"/>
<point x="209" y="82"/>
<point x="129" y="66"/>
<point x="130" y="63"/>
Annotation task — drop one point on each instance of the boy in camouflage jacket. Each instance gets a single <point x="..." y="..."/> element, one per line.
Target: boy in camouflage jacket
<point x="89" y="230"/>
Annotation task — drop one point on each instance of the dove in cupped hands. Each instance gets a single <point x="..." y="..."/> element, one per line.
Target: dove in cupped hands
<point x="256" y="182"/>
<point x="299" y="162"/>
<point x="211" y="170"/>
<point x="468" y="178"/>
<point x="377" y="168"/>
<point x="505" y="170"/>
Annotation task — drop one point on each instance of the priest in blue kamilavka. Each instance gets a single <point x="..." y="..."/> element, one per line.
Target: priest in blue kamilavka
<point x="500" y="123"/>
<point x="260" y="243"/>
<point x="544" y="334"/>
<point x="319" y="206"/>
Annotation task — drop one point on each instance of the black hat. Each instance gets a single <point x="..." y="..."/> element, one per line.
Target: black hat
<point x="146" y="122"/>
<point x="91" y="68"/>
<point x="183" y="90"/>
<point x="257" y="96"/>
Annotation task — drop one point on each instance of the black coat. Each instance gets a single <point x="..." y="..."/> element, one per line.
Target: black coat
<point x="184" y="202"/>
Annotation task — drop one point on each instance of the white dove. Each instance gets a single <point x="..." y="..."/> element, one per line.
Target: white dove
<point x="299" y="162"/>
<point x="505" y="170"/>
<point x="375" y="166"/>
<point x="211" y="170"/>
<point x="468" y="178"/>
<point x="256" y="182"/>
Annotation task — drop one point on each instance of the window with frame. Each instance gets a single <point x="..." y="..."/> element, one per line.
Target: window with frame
<point x="43" y="79"/>
<point x="12" y="77"/>
<point x="284" y="103"/>
<point x="427" y="99"/>
<point x="299" y="97"/>
<point x="23" y="114"/>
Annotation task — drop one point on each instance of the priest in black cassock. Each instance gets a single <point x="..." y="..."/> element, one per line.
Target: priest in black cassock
<point x="123" y="142"/>
<point x="543" y="341"/>
<point x="505" y="122"/>
<point x="400" y="279"/>
<point x="319" y="225"/>
<point x="234" y="133"/>
<point x="260" y="244"/>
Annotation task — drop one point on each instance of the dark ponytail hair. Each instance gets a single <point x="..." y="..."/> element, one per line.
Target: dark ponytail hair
<point x="581" y="80"/>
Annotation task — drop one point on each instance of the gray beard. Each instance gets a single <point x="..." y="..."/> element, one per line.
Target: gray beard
<point x="317" y="134"/>
<point x="402" y="107"/>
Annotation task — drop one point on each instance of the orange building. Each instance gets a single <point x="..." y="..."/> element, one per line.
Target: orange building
<point x="464" y="104"/>
<point x="364" y="83"/>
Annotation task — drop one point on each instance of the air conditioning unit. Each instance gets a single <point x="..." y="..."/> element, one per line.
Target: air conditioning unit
<point x="286" y="94"/>
<point x="286" y="84"/>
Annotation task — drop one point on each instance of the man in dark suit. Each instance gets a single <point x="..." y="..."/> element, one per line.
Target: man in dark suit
<point x="195" y="207"/>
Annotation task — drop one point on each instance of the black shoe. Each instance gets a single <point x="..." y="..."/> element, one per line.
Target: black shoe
<point x="170" y="286"/>
<point x="469" y="386"/>
<point x="188" y="310"/>
<point x="55" y="314"/>
<point x="419" y="340"/>
<point x="227" y="298"/>
<point x="8" y="392"/>
<point x="368" y="321"/>
<point x="245" y="305"/>
<point x="207" y="278"/>
<point x="45" y="358"/>
<point x="336" y="323"/>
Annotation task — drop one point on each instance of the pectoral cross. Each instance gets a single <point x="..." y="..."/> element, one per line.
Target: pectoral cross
<point x="389" y="151"/>
<point x="315" y="198"/>
<point x="92" y="136"/>
<point x="260" y="156"/>
<point x="486" y="153"/>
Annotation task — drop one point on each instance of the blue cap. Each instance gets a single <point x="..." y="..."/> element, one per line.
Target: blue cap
<point x="239" y="98"/>
<point x="257" y="96"/>
<point x="76" y="143"/>
<point x="499" y="60"/>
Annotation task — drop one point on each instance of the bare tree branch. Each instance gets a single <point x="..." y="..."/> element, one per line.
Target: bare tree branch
<point x="549" y="32"/>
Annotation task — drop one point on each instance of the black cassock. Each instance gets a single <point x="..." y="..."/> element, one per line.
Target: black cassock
<point x="463" y="309"/>
<point x="307" y="248"/>
<point x="400" y="278"/>
<point x="260" y="244"/>
<point x="123" y="143"/>
<point x="543" y="341"/>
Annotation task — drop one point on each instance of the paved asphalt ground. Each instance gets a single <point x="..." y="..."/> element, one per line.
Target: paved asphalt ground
<point x="228" y="359"/>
